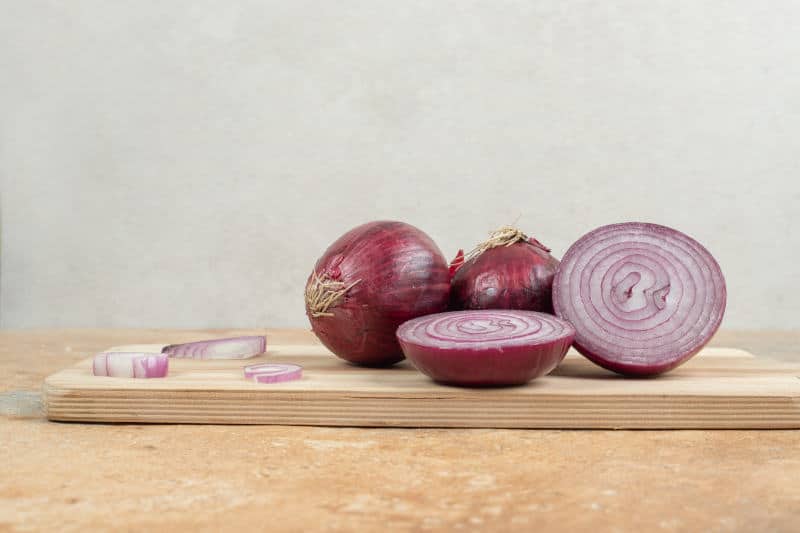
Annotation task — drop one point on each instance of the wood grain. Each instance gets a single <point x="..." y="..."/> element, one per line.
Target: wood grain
<point x="720" y="388"/>
<point x="156" y="477"/>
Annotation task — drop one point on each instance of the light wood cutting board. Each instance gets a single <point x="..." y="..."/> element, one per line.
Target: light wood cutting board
<point x="719" y="388"/>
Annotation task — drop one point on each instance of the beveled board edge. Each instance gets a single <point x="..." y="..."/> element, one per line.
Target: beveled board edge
<point x="454" y="407"/>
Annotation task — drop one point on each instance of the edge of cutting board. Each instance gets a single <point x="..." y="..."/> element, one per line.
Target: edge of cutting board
<point x="719" y="389"/>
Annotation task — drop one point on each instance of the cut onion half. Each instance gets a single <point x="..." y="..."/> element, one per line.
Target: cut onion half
<point x="273" y="372"/>
<point x="231" y="348"/>
<point x="643" y="298"/>
<point x="130" y="365"/>
<point x="489" y="347"/>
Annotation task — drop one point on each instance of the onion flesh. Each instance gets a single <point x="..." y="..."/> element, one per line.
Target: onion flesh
<point x="643" y="298"/>
<point x="130" y="365"/>
<point x="273" y="372"/>
<point x="230" y="348"/>
<point x="508" y="271"/>
<point x="486" y="347"/>
<point x="368" y="282"/>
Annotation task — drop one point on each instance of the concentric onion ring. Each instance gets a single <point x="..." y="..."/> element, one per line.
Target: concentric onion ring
<point x="485" y="347"/>
<point x="643" y="298"/>
<point x="130" y="365"/>
<point x="273" y="372"/>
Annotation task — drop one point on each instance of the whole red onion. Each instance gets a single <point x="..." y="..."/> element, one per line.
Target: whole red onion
<point x="508" y="271"/>
<point x="372" y="279"/>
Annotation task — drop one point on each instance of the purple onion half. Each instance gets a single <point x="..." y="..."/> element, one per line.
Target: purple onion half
<point x="643" y="298"/>
<point x="485" y="347"/>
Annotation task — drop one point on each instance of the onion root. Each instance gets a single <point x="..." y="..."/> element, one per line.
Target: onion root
<point x="324" y="292"/>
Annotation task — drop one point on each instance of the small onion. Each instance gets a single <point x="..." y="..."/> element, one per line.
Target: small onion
<point x="486" y="347"/>
<point x="508" y="271"/>
<point x="130" y="365"/>
<point x="371" y="280"/>
<point x="643" y="298"/>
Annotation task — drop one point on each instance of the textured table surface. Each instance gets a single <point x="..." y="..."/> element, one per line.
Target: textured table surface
<point x="132" y="477"/>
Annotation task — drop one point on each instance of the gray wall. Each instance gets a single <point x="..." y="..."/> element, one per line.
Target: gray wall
<point x="182" y="164"/>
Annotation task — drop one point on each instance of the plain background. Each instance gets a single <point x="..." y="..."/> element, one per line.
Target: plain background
<point x="183" y="164"/>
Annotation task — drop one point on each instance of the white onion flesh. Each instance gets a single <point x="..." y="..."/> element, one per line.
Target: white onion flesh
<point x="643" y="298"/>
<point x="130" y="365"/>
<point x="273" y="372"/>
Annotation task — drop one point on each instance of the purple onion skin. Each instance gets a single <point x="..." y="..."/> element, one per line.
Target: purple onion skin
<point x="492" y="364"/>
<point x="492" y="368"/>
<point x="698" y="260"/>
<point x="403" y="275"/>
<point x="519" y="276"/>
<point x="634" y="371"/>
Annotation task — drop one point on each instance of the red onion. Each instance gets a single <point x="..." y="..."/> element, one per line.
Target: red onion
<point x="130" y="365"/>
<point x="486" y="348"/>
<point x="368" y="282"/>
<point x="508" y="271"/>
<point x="273" y="372"/>
<point x="232" y="348"/>
<point x="643" y="298"/>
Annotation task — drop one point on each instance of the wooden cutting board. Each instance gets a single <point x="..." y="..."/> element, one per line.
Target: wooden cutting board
<point x="719" y="388"/>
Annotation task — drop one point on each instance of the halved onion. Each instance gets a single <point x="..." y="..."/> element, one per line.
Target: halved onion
<point x="485" y="347"/>
<point x="130" y="365"/>
<point x="643" y="298"/>
<point x="231" y="348"/>
<point x="273" y="372"/>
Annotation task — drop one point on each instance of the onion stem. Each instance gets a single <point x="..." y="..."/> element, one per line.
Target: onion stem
<point x="505" y="236"/>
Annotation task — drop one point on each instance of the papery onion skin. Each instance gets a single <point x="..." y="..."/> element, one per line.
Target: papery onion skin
<point x="519" y="276"/>
<point x="643" y="298"/>
<point x="394" y="272"/>
<point x="456" y="263"/>
<point x="486" y="348"/>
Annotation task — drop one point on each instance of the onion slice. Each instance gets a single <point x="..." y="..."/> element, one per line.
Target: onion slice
<point x="643" y="298"/>
<point x="130" y="365"/>
<point x="231" y="348"/>
<point x="485" y="347"/>
<point x="273" y="372"/>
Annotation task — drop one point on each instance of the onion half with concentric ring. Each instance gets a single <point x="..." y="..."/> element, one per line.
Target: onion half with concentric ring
<point x="491" y="347"/>
<point x="643" y="298"/>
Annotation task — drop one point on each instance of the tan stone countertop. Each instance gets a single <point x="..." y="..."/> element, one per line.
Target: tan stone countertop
<point x="70" y="477"/>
